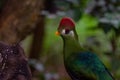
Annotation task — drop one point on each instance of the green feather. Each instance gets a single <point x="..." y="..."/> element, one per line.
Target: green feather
<point x="89" y="65"/>
<point x="80" y="62"/>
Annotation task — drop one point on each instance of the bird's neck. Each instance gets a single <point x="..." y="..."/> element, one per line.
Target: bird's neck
<point x="71" y="46"/>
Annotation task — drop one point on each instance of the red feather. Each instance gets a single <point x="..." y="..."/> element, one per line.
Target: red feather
<point x="67" y="22"/>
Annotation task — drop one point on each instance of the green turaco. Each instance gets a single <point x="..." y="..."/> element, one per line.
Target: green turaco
<point x="80" y="63"/>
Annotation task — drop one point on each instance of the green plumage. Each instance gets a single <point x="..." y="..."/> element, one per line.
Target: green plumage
<point x="80" y="63"/>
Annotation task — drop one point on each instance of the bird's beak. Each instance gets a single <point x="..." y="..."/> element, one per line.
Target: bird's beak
<point x="57" y="33"/>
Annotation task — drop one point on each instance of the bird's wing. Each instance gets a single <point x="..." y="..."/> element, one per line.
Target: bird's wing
<point x="87" y="64"/>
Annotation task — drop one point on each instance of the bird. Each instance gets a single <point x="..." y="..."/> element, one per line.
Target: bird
<point x="80" y="63"/>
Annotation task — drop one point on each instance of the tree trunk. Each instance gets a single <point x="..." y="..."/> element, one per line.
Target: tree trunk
<point x="37" y="44"/>
<point x="18" y="18"/>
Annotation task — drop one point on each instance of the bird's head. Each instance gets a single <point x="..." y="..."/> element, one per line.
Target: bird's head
<point x="67" y="28"/>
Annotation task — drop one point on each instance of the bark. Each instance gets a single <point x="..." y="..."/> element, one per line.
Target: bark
<point x="18" y="19"/>
<point x="13" y="63"/>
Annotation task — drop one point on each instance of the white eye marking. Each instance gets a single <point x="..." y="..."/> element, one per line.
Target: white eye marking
<point x="70" y="33"/>
<point x="63" y="31"/>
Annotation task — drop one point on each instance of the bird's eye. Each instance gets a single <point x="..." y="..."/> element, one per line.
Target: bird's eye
<point x="67" y="31"/>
